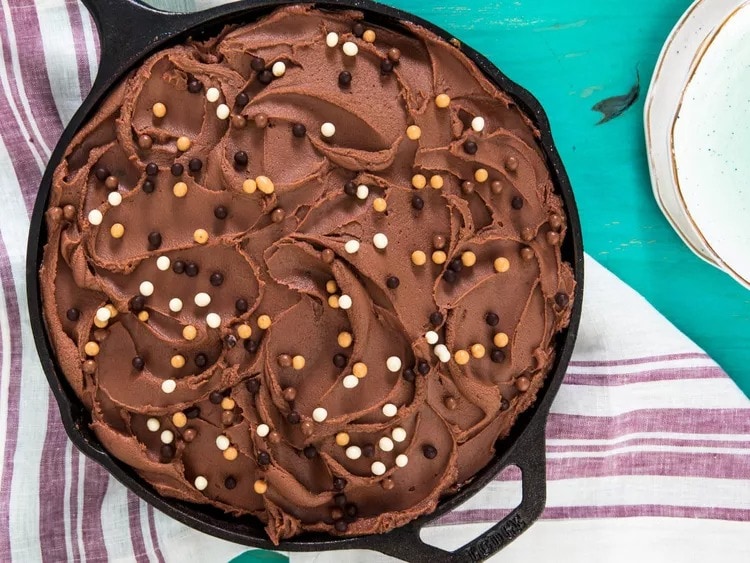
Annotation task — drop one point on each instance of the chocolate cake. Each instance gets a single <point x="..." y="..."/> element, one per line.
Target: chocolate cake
<point x="307" y="270"/>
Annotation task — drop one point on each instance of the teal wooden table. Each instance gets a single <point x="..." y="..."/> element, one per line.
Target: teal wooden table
<point x="571" y="54"/>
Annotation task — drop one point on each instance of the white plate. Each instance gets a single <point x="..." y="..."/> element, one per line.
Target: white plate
<point x="695" y="102"/>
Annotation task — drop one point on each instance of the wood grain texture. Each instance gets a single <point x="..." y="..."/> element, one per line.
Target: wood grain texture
<point x="571" y="54"/>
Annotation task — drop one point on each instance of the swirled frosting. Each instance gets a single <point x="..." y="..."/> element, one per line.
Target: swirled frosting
<point x="307" y="270"/>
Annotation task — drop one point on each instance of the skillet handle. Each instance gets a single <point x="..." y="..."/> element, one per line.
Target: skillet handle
<point x="127" y="27"/>
<point x="529" y="455"/>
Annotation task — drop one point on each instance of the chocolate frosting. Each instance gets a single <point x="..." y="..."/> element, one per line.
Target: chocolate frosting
<point x="231" y="417"/>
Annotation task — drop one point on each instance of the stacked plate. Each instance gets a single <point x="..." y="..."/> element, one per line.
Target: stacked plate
<point x="697" y="121"/>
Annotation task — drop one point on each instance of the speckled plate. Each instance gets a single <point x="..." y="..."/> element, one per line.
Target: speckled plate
<point x="696" y="149"/>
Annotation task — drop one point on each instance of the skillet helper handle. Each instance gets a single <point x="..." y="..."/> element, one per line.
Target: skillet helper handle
<point x="529" y="455"/>
<point x="128" y="27"/>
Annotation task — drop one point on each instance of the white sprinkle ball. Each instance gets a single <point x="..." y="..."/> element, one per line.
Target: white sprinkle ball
<point x="328" y="129"/>
<point x="319" y="414"/>
<point x="201" y="482"/>
<point x="222" y="442"/>
<point x="441" y="351"/>
<point x="352" y="246"/>
<point x="175" y="304"/>
<point x="431" y="337"/>
<point x="390" y="410"/>
<point x="477" y="124"/>
<point x="350" y="49"/>
<point x="402" y="460"/>
<point x="353" y="452"/>
<point x="350" y="381"/>
<point x="202" y="299"/>
<point x="163" y="263"/>
<point x="345" y="302"/>
<point x="380" y="241"/>
<point x="262" y="430"/>
<point x="146" y="288"/>
<point x="222" y="111"/>
<point x="278" y="69"/>
<point x="95" y="217"/>
<point x="385" y="444"/>
<point x="362" y="191"/>
<point x="393" y="364"/>
<point x="167" y="437"/>
<point x="168" y="385"/>
<point x="332" y="39"/>
<point x="114" y="199"/>
<point x="212" y="94"/>
<point x="398" y="434"/>
<point x="153" y="424"/>
<point x="378" y="468"/>
<point x="213" y="320"/>
<point x="103" y="314"/>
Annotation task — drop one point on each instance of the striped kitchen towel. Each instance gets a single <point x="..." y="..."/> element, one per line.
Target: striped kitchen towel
<point x="648" y="442"/>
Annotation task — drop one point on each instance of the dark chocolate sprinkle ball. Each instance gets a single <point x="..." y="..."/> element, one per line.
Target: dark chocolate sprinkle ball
<point x="220" y="212"/>
<point x="148" y="186"/>
<point x="152" y="169"/>
<point x="178" y="267"/>
<point x="339" y="360"/>
<point x="137" y="303"/>
<point x="192" y="412"/>
<point x="299" y="130"/>
<point x="345" y="78"/>
<point x="177" y="169"/>
<point x="242" y="99"/>
<point x="230" y="482"/>
<point x="450" y="276"/>
<point x="386" y="66"/>
<point x="264" y="458"/>
<point x="358" y="29"/>
<point x="217" y="278"/>
<point x="258" y="64"/>
<point x="417" y="202"/>
<point x="341" y="526"/>
<point x="562" y="299"/>
<point x="423" y="367"/>
<point x="154" y="240"/>
<point x="429" y="451"/>
<point x="310" y="452"/>
<point x="504" y="405"/>
<point x="138" y="363"/>
<point x="101" y="174"/>
<point x="368" y="450"/>
<point x="191" y="269"/>
<point x="194" y="86"/>
<point x="456" y="265"/>
<point x="230" y="340"/>
<point x="470" y="147"/>
<point x="351" y="510"/>
<point x="293" y="417"/>
<point x="195" y="164"/>
<point x="408" y="375"/>
<point x="201" y="360"/>
<point x="241" y="305"/>
<point x="265" y="77"/>
<point x="215" y="397"/>
<point x="436" y="318"/>
<point x="516" y="202"/>
<point x="73" y="314"/>
<point x="240" y="158"/>
<point x="350" y="188"/>
<point x="253" y="385"/>
<point x="392" y="282"/>
<point x="491" y="319"/>
<point x="166" y="452"/>
<point x="497" y="355"/>
<point x="339" y="483"/>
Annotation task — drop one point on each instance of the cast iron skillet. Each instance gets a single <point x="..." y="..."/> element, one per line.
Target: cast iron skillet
<point x="129" y="31"/>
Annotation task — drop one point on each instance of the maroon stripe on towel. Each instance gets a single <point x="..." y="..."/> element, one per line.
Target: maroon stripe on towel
<point x="154" y="535"/>
<point x="136" y="532"/>
<point x="79" y="43"/>
<point x="642" y="360"/>
<point x="51" y="487"/>
<point x="665" y="374"/>
<point x="96" y="480"/>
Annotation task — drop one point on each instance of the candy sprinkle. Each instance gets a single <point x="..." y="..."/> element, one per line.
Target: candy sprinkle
<point x="95" y="217"/>
<point x="103" y="314"/>
<point x="249" y="186"/>
<point x="222" y="442"/>
<point x="278" y="69"/>
<point x="159" y="110"/>
<point x="353" y="452"/>
<point x="379" y="205"/>
<point x="402" y="460"/>
<point x="168" y="385"/>
<point x="180" y="189"/>
<point x="344" y="339"/>
<point x="501" y="264"/>
<point x="262" y="430"/>
<point x="359" y="370"/>
<point x="413" y="132"/>
<point x="481" y="175"/>
<point x="351" y="246"/>
<point x="386" y="444"/>
<point x="418" y="258"/>
<point x="213" y="94"/>
<point x="260" y="487"/>
<point x="390" y="410"/>
<point x="319" y="414"/>
<point x="350" y="381"/>
<point x="175" y="305"/>
<point x="431" y="337"/>
<point x="393" y="364"/>
<point x="202" y="299"/>
<point x="362" y="192"/>
<point x="441" y="351"/>
<point x="398" y="434"/>
<point x="167" y="437"/>
<point x="189" y="332"/>
<point x="369" y="36"/>
<point x="265" y="184"/>
<point x="146" y="288"/>
<point x="380" y="241"/>
<point x="200" y="483"/>
<point x="477" y="124"/>
<point x="333" y="301"/>
<point x="298" y="362"/>
<point x="332" y="39"/>
<point x="117" y="230"/>
<point x="328" y="129"/>
<point x="213" y="320"/>
<point x="179" y="419"/>
<point x="500" y="340"/>
<point x="345" y="302"/>
<point x="200" y="236"/>
<point x="342" y="439"/>
<point x="227" y="403"/>
<point x="436" y="182"/>
<point x="163" y="263"/>
<point x="222" y="111"/>
<point x="461" y="357"/>
<point x="378" y="468"/>
<point x="264" y="321"/>
<point x="114" y="199"/>
<point x="177" y="361"/>
<point x="350" y="49"/>
<point x="153" y="424"/>
<point x="183" y="144"/>
<point x="418" y="181"/>
<point x="468" y="258"/>
<point x="442" y="100"/>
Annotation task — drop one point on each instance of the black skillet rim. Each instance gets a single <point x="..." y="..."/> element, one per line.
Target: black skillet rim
<point x="528" y="432"/>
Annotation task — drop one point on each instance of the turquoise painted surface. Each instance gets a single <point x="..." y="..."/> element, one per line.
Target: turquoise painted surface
<point x="570" y="54"/>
